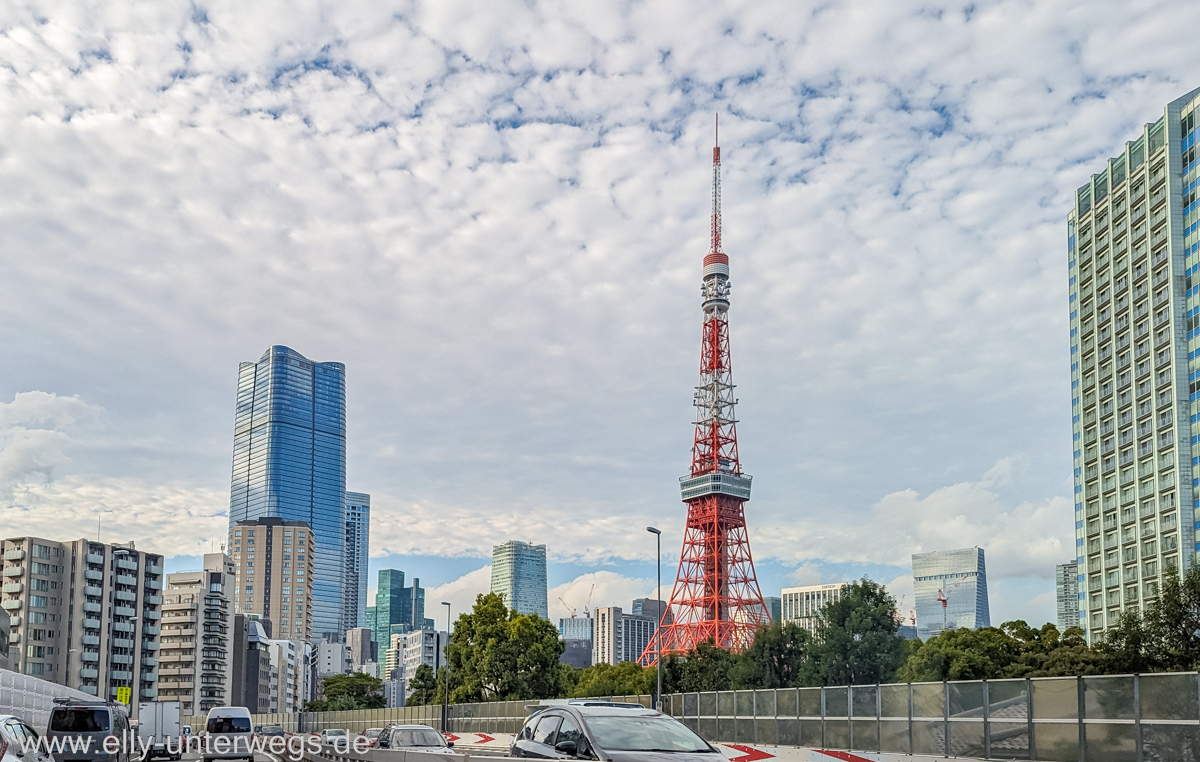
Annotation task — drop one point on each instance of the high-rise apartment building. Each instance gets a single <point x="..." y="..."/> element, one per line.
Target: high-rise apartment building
<point x="423" y="647"/>
<point x="84" y="614"/>
<point x="802" y="605"/>
<point x="1132" y="253"/>
<point x="950" y="591"/>
<point x="393" y="657"/>
<point x="332" y="659"/>
<point x="292" y="661"/>
<point x="398" y="609"/>
<point x="618" y="636"/>
<point x="357" y="553"/>
<point x="1066" y="586"/>
<point x="196" y="656"/>
<point x="519" y="576"/>
<point x="251" y="673"/>
<point x="289" y="462"/>
<point x="274" y="561"/>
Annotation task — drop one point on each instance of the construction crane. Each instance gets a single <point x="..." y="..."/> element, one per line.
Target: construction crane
<point x="569" y="606"/>
<point x="587" y="613"/>
<point x="942" y="600"/>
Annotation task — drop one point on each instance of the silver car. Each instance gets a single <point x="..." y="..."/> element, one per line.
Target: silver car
<point x="16" y="737"/>
<point x="79" y="728"/>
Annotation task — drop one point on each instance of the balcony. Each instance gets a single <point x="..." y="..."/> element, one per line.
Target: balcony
<point x="150" y="629"/>
<point x="124" y="611"/>
<point x="122" y="626"/>
<point x="13" y="587"/>
<point x="89" y="673"/>
<point x="149" y="661"/>
<point x="125" y="563"/>
<point x="125" y="595"/>
<point x="14" y="638"/>
<point x="90" y="640"/>
<point x="126" y="579"/>
<point x="10" y="605"/>
<point x="89" y="656"/>
<point x="149" y="645"/>
<point x="88" y="689"/>
<point x="93" y="591"/>
<point x="95" y="558"/>
<point x="14" y="571"/>
<point x="152" y="600"/>
<point x="14" y="621"/>
<point x="91" y="608"/>
<point x="149" y="693"/>
<point x="122" y="643"/>
<point x="16" y="554"/>
<point x="120" y="675"/>
<point x="153" y="569"/>
<point x="122" y="659"/>
<point x="153" y="615"/>
<point x="91" y="623"/>
<point x="94" y="575"/>
<point x="154" y="584"/>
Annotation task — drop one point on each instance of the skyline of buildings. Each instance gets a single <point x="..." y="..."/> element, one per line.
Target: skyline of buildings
<point x="398" y="609"/>
<point x="519" y="576"/>
<point x="289" y="462"/>
<point x="950" y="590"/>
<point x="1131" y="250"/>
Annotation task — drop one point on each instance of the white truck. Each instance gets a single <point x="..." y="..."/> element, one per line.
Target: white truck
<point x="159" y="729"/>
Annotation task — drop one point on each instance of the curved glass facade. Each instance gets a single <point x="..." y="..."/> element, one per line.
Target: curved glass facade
<point x="289" y="460"/>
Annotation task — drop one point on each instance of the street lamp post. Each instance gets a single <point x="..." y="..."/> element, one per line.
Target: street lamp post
<point x="662" y="612"/>
<point x="446" y="695"/>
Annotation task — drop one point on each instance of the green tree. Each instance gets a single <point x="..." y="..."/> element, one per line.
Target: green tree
<point x="423" y="685"/>
<point x="778" y="658"/>
<point x="705" y="668"/>
<point x="624" y="679"/>
<point x="496" y="654"/>
<point x="857" y="639"/>
<point x="1173" y="621"/>
<point x="348" y="692"/>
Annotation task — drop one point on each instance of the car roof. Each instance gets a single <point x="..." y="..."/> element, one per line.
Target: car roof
<point x="410" y="727"/>
<point x="607" y="709"/>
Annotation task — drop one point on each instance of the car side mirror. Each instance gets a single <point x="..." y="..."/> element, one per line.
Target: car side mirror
<point x="567" y="747"/>
<point x="449" y="744"/>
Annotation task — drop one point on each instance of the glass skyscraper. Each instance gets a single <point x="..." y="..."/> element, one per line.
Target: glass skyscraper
<point x="358" y="535"/>
<point x="398" y="609"/>
<point x="959" y="577"/>
<point x="1133" y="251"/>
<point x="519" y="576"/>
<point x="289" y="461"/>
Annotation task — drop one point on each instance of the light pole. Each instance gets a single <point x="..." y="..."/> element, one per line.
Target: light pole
<point x="446" y="695"/>
<point x="662" y="613"/>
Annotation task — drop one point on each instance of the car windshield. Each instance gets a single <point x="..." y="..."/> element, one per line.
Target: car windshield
<point x="79" y="720"/>
<point x="228" y="725"/>
<point x="272" y="729"/>
<point x="644" y="734"/>
<point x="372" y="732"/>
<point x="426" y="737"/>
<point x="338" y="732"/>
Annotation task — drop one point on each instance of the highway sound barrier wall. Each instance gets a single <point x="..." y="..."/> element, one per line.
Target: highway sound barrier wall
<point x="1112" y="718"/>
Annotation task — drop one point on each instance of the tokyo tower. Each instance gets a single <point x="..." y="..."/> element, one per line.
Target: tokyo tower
<point x="716" y="597"/>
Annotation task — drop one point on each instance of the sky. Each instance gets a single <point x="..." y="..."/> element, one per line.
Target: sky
<point x="495" y="213"/>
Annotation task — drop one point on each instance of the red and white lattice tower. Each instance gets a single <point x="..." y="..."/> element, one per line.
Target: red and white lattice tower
<point x="716" y="597"/>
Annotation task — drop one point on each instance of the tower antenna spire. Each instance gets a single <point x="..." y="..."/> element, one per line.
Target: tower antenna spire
<point x="716" y="596"/>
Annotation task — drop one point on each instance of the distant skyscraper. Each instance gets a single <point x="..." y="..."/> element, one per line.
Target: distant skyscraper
<point x="519" y="575"/>
<point x="653" y="608"/>
<point x="275" y="564"/>
<point x="397" y="610"/>
<point x="802" y="605"/>
<point x="960" y="578"/>
<point x="1132" y="256"/>
<point x="1066" y="583"/>
<point x="774" y="607"/>
<point x="289" y="461"/>
<point x="619" y="636"/>
<point x="358" y="532"/>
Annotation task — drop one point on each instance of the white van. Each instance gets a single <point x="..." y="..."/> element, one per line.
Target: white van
<point x="228" y="734"/>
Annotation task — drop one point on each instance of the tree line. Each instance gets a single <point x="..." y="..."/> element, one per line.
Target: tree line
<point x="496" y="654"/>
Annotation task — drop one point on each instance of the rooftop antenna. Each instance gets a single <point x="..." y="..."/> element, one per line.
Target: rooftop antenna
<point x="97" y="526"/>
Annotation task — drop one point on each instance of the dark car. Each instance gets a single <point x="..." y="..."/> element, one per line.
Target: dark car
<point x="609" y="731"/>
<point x="413" y="738"/>
<point x="83" y="725"/>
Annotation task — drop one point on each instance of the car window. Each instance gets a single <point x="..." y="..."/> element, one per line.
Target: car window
<point x="33" y="734"/>
<point x="527" y="731"/>
<point x="79" y="720"/>
<point x="14" y="731"/>
<point x="228" y="725"/>
<point x="545" y="729"/>
<point x="653" y="733"/>
<point x="568" y="731"/>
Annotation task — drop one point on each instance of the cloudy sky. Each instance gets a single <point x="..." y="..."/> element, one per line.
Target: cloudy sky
<point x="494" y="214"/>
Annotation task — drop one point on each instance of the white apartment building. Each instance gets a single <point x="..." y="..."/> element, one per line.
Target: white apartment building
<point x="292" y="660"/>
<point x="196" y="657"/>
<point x="1132" y="251"/>
<point x="332" y="659"/>
<point x="423" y="647"/>
<point x="618" y="636"/>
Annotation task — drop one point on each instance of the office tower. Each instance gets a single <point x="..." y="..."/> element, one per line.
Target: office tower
<point x="519" y="576"/>
<point x="358" y="531"/>
<point x="653" y="608"/>
<point x="950" y="589"/>
<point x="424" y="647"/>
<point x="575" y="628"/>
<point x="274" y="562"/>
<point x="619" y="636"/>
<point x="84" y="614"/>
<point x="802" y="605"/>
<point x="289" y="462"/>
<point x="358" y="640"/>
<point x="1066" y="584"/>
<point x="1131" y="255"/>
<point x="197" y="644"/>
<point x="576" y="635"/>
<point x="774" y="606"/>
<point x="393" y="693"/>
<point x="398" y="609"/>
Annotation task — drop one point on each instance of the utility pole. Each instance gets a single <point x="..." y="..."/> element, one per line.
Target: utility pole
<point x="662" y="615"/>
<point x="446" y="695"/>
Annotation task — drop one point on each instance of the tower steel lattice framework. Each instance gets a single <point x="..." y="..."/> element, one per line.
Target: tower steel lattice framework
<point x="716" y="596"/>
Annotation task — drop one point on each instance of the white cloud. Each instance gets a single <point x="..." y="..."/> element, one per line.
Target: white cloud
<point x="459" y="593"/>
<point x="602" y="588"/>
<point x="34" y="438"/>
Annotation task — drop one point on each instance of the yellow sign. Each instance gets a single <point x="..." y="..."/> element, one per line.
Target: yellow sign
<point x="123" y="695"/>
